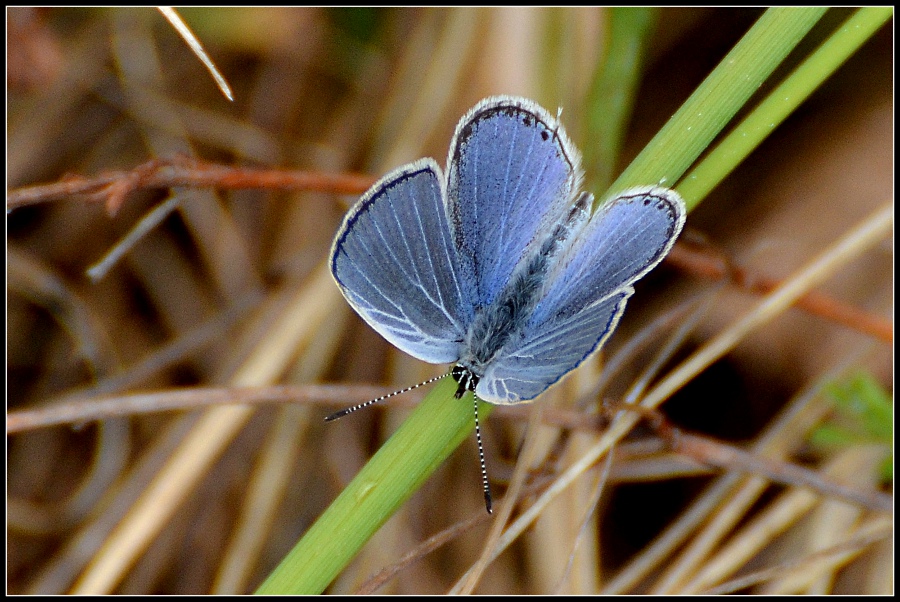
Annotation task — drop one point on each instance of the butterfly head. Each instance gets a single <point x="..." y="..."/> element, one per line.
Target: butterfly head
<point x="465" y="378"/>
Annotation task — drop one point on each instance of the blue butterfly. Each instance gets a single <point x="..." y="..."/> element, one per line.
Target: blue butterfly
<point x="497" y="266"/>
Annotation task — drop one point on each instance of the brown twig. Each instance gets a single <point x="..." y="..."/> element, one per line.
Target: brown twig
<point x="79" y="409"/>
<point x="431" y="544"/>
<point x="83" y="407"/>
<point x="722" y="455"/>
<point x="703" y="263"/>
<point x="377" y="580"/>
<point x="113" y="188"/>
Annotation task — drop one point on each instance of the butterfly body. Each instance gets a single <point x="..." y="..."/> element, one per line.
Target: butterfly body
<point x="493" y="326"/>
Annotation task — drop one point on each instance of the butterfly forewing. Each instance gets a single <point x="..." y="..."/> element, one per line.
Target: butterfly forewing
<point x="396" y="264"/>
<point x="511" y="175"/>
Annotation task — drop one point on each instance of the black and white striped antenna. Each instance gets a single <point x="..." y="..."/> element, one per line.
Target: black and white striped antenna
<point x="365" y="404"/>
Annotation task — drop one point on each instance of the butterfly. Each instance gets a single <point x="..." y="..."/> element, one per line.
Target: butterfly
<point x="497" y="265"/>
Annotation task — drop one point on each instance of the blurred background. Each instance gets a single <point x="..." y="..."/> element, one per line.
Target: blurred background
<point x="219" y="279"/>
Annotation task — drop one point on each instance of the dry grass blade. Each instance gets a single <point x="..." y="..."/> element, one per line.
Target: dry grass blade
<point x="185" y="32"/>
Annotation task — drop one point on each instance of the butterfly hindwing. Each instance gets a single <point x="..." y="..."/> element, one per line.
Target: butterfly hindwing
<point x="626" y="238"/>
<point x="546" y="351"/>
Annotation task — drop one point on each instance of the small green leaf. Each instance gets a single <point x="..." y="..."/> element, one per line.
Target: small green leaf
<point x="865" y="415"/>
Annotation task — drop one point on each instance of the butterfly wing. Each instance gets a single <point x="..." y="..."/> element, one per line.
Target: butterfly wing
<point x="512" y="173"/>
<point x="585" y="293"/>
<point x="395" y="262"/>
<point x="543" y="353"/>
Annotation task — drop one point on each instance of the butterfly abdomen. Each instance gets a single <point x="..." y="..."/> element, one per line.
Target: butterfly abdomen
<point x="497" y="322"/>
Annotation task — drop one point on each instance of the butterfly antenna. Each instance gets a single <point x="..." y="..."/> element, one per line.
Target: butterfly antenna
<point x="484" y="477"/>
<point x="366" y="404"/>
